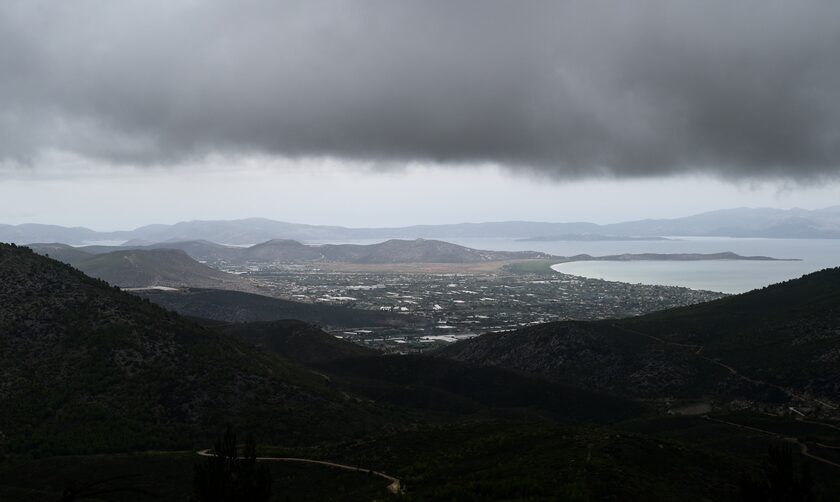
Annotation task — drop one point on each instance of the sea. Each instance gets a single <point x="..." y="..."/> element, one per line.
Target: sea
<point x="715" y="275"/>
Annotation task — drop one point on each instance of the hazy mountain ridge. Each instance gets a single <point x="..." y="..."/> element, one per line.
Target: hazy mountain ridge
<point x="739" y="222"/>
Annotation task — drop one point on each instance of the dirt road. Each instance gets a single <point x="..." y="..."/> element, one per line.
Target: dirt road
<point x="395" y="487"/>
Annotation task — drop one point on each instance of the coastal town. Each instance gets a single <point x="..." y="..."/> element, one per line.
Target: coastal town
<point x="441" y="308"/>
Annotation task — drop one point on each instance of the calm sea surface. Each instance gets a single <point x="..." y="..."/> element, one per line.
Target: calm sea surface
<point x="725" y="276"/>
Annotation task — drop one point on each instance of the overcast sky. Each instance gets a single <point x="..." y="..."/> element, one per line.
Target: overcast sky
<point x="116" y="114"/>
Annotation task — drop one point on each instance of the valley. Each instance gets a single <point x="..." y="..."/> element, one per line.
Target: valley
<point x="378" y="295"/>
<point x="515" y="380"/>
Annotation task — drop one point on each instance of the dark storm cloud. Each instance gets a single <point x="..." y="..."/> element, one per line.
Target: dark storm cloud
<point x="747" y="89"/>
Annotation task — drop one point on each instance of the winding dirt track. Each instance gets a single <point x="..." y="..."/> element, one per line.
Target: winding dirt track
<point x="698" y="349"/>
<point x="803" y="448"/>
<point x="395" y="487"/>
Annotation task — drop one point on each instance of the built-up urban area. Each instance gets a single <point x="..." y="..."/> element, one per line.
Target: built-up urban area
<point x="440" y="308"/>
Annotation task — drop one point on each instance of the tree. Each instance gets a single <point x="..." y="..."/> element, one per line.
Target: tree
<point x="779" y="480"/>
<point x="226" y="476"/>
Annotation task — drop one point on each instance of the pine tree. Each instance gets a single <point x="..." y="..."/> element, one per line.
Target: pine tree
<point x="227" y="476"/>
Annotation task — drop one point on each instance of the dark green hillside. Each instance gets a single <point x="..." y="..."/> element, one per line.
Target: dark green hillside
<point x="770" y="345"/>
<point x="538" y="461"/>
<point x="787" y="334"/>
<point x="601" y="357"/>
<point x="236" y="306"/>
<point x="297" y="341"/>
<point x="430" y="383"/>
<point x="675" y="458"/>
<point x="86" y="367"/>
<point x="423" y="382"/>
<point x="469" y="461"/>
<point x="812" y="295"/>
<point x="147" y="476"/>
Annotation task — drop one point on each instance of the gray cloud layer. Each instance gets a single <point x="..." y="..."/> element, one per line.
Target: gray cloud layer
<point x="747" y="89"/>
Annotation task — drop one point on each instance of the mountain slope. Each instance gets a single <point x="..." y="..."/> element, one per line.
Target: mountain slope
<point x="62" y="252"/>
<point x="430" y="383"/>
<point x="777" y="344"/>
<point x="297" y="341"/>
<point x="787" y="334"/>
<point x="86" y="367"/>
<point x="158" y="267"/>
<point x="600" y="357"/>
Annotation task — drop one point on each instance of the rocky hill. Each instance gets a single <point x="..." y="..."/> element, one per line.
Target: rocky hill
<point x="158" y="267"/>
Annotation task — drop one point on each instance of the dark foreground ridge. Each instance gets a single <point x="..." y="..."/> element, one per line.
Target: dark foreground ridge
<point x="779" y="345"/>
<point x="87" y="367"/>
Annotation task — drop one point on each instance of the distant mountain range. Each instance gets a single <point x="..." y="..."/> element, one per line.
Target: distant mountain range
<point x="740" y="222"/>
<point x="168" y="263"/>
